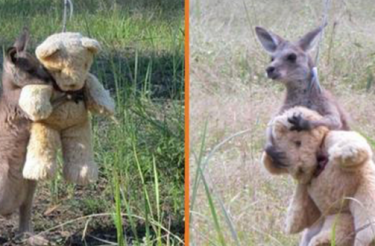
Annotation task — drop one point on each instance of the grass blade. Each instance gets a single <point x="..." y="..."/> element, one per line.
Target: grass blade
<point x="118" y="219"/>
<point x="157" y="198"/>
<point x="201" y="165"/>
<point x="212" y="209"/>
<point x="196" y="178"/>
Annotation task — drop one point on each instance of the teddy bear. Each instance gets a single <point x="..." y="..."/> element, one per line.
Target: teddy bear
<point x="335" y="177"/>
<point x="60" y="111"/>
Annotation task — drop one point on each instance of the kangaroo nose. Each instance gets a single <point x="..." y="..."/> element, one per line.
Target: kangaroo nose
<point x="270" y="70"/>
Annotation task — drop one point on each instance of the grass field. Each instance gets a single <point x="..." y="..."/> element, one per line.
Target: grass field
<point x="139" y="197"/>
<point x="231" y="101"/>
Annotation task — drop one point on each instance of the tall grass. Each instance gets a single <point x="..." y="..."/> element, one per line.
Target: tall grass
<point x="139" y="197"/>
<point x="240" y="201"/>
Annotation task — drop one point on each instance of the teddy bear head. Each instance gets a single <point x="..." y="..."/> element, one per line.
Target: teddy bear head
<point x="301" y="148"/>
<point x="68" y="57"/>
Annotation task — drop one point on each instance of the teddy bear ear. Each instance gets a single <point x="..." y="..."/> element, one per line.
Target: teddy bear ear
<point x="43" y="52"/>
<point x="91" y="44"/>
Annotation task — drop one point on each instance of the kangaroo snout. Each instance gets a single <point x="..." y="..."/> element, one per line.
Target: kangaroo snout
<point x="272" y="72"/>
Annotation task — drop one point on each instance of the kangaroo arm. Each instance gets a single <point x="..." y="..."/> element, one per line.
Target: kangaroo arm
<point x="331" y="119"/>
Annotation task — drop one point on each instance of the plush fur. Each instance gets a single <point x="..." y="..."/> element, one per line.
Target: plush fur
<point x="342" y="193"/>
<point x="61" y="121"/>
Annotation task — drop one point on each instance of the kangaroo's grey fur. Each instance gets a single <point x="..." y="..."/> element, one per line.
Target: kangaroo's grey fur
<point x="292" y="65"/>
<point x="19" y="69"/>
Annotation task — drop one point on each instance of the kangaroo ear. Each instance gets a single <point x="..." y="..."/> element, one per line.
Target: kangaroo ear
<point x="22" y="41"/>
<point x="11" y="54"/>
<point x="268" y="40"/>
<point x="310" y="39"/>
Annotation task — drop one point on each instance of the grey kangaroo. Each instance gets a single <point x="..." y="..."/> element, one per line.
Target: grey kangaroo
<point x="292" y="65"/>
<point x="19" y="69"/>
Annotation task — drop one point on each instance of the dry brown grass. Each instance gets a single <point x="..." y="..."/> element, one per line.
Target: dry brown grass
<point x="230" y="92"/>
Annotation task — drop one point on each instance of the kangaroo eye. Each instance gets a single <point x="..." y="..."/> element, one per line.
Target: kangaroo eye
<point x="291" y="57"/>
<point x="272" y="59"/>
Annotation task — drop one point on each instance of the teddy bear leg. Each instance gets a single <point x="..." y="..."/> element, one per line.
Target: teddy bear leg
<point x="302" y="211"/>
<point x="363" y="210"/>
<point x="344" y="231"/>
<point x="79" y="164"/>
<point x="310" y="232"/>
<point x="41" y="152"/>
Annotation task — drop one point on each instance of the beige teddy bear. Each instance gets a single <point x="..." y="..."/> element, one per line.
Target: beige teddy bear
<point x="60" y="111"/>
<point x="335" y="182"/>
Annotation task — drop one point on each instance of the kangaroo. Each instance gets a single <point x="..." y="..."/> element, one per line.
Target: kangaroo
<point x="19" y="69"/>
<point x="292" y="65"/>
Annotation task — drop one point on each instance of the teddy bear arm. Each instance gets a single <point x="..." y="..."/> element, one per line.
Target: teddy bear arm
<point x="35" y="101"/>
<point x="302" y="211"/>
<point x="350" y="151"/>
<point x="98" y="99"/>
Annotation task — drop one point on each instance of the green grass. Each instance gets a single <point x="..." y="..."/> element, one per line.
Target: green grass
<point x="139" y="197"/>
